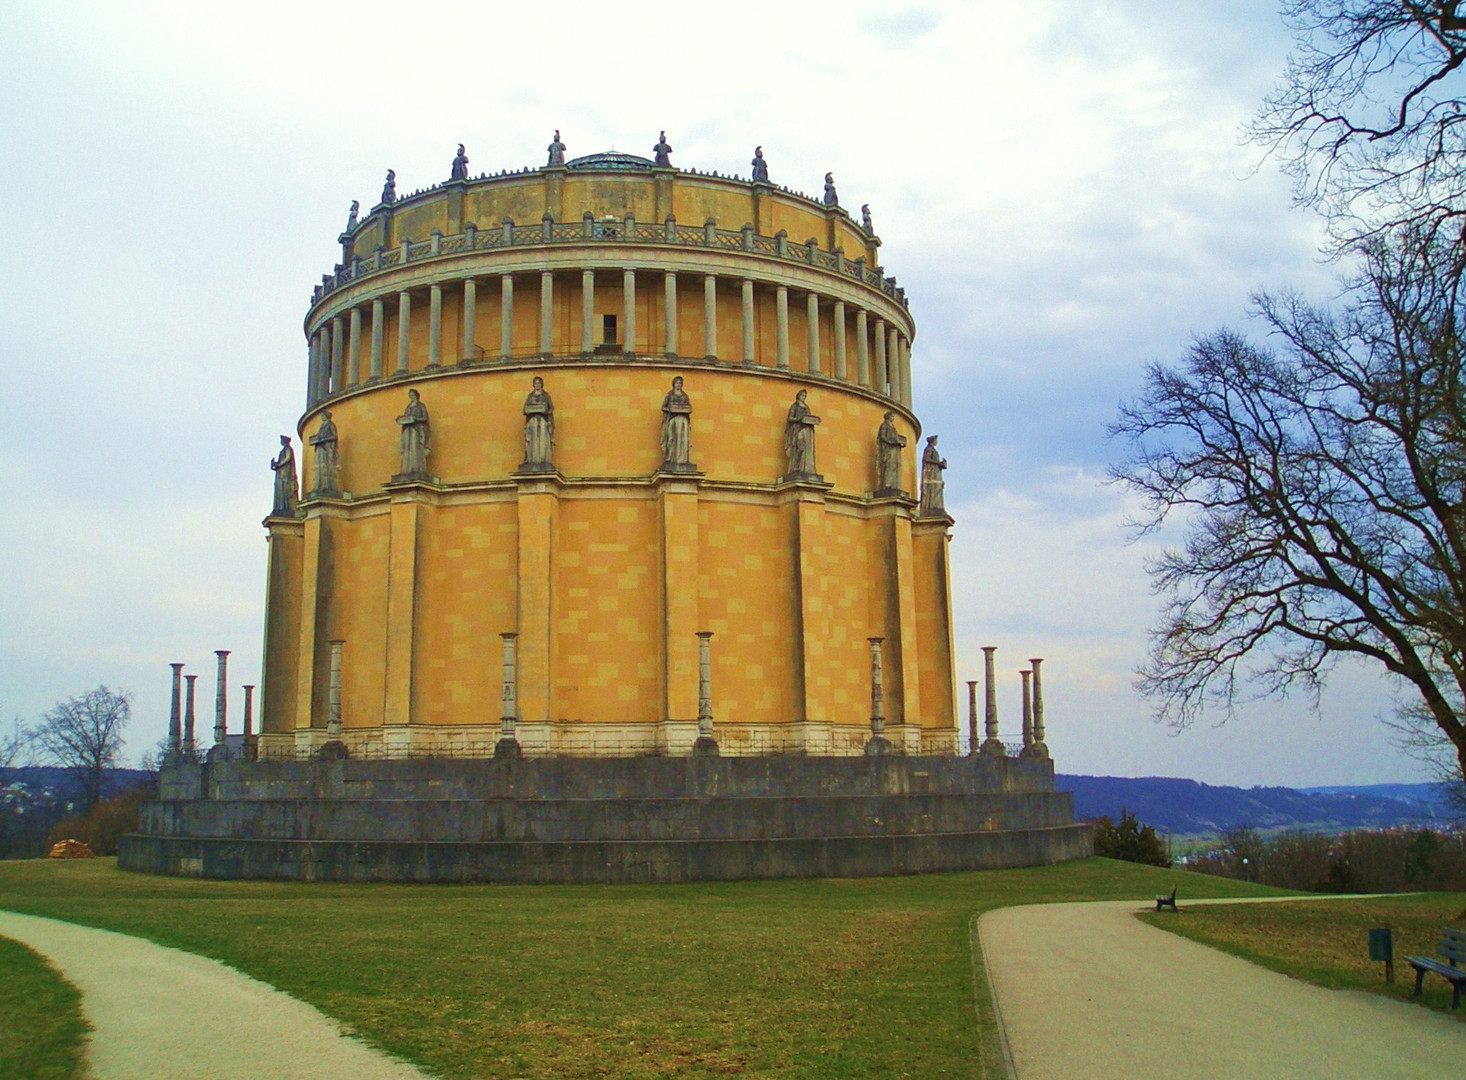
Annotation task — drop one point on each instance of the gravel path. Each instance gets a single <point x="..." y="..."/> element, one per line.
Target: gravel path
<point x="159" y="1012"/>
<point x="1087" y="990"/>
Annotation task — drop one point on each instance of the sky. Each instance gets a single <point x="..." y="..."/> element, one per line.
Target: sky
<point x="1061" y="188"/>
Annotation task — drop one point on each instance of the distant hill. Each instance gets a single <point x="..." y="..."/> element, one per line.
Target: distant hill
<point x="1187" y="807"/>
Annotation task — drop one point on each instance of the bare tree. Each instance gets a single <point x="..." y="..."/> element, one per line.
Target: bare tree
<point x="1368" y="119"/>
<point x="84" y="734"/>
<point x="16" y="749"/>
<point x="1322" y="483"/>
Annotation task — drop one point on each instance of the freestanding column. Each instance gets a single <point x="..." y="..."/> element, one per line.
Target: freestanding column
<point x="839" y="319"/>
<point x="781" y="324"/>
<point x="188" y="751"/>
<point x="628" y="309"/>
<point x="893" y="360"/>
<point x="313" y="369"/>
<point x="862" y="348"/>
<point x="379" y="320"/>
<point x="1027" y="710"/>
<point x="669" y="320"/>
<point x="508" y="744"/>
<point x="324" y="375"/>
<point x="877" y="745"/>
<point x="333" y="747"/>
<point x="706" y="745"/>
<point x="547" y="310"/>
<point x="249" y="713"/>
<point x="404" y="327"/>
<point x="587" y="311"/>
<point x="175" y="717"/>
<point x="906" y="373"/>
<point x="972" y="740"/>
<point x="991" y="744"/>
<point x="1038" y="749"/>
<point x="470" y="317"/>
<point x="338" y="370"/>
<point x="748" y="320"/>
<point x="882" y="375"/>
<point x="221" y="697"/>
<point x="812" y="321"/>
<point x="506" y="315"/>
<point x="353" y="350"/>
<point x="710" y="316"/>
<point x="435" y="326"/>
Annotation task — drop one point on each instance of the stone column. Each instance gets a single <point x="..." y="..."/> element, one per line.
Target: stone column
<point x="862" y="348"/>
<point x="972" y="740"/>
<point x="1027" y="677"/>
<point x="188" y="743"/>
<point x="470" y="317"/>
<point x="587" y="311"/>
<point x="839" y="324"/>
<point x="706" y="745"/>
<point x="547" y="311"/>
<point x="506" y="315"/>
<point x="313" y="367"/>
<point x="877" y="745"/>
<point x="379" y="321"/>
<point x="333" y="746"/>
<point x="893" y="360"/>
<point x="338" y="369"/>
<point x="628" y="309"/>
<point x="669" y="318"/>
<point x="1038" y="748"/>
<point x="353" y="349"/>
<point x="435" y="326"/>
<point x="781" y="324"/>
<point x="221" y="697"/>
<point x="906" y="373"/>
<point x="249" y="711"/>
<point x="991" y="744"/>
<point x="323" y="373"/>
<point x="882" y="374"/>
<point x="748" y="320"/>
<point x="175" y="718"/>
<point x="710" y="316"/>
<point x="404" y="327"/>
<point x="508" y="744"/>
<point x="812" y="321"/>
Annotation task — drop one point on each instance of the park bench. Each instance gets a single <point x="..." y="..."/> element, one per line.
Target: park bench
<point x="1453" y="947"/>
<point x="1167" y="901"/>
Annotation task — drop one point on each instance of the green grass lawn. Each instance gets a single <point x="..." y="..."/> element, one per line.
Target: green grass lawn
<point x="828" y="978"/>
<point x="41" y="1026"/>
<point x="1326" y="941"/>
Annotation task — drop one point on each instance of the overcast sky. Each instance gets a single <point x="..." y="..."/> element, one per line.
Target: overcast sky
<point x="1060" y="187"/>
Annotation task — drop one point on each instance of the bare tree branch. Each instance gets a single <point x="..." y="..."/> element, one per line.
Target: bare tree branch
<point x="84" y="734"/>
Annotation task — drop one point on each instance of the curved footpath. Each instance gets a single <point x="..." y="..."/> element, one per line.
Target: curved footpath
<point x="1088" y="990"/>
<point x="160" y="1012"/>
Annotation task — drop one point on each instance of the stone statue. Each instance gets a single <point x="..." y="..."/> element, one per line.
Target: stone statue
<point x="539" y="429"/>
<point x="460" y="165"/>
<point x="416" y="439"/>
<point x="889" y="443"/>
<point x="328" y="463"/>
<point x="760" y="166"/>
<point x="285" y="486"/>
<point x="389" y="189"/>
<point x="932" y="485"/>
<point x="799" y="437"/>
<point x="663" y="152"/>
<point x="557" y="150"/>
<point x="831" y="199"/>
<point x="677" y="429"/>
<point x="865" y="222"/>
<point x="351" y="217"/>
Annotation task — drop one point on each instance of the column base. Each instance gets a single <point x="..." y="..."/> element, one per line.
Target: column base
<point x="705" y="746"/>
<point x="218" y="752"/>
<point x="878" y="746"/>
<point x="334" y="750"/>
<point x="993" y="747"/>
<point x="1035" y="750"/>
<point x="508" y="747"/>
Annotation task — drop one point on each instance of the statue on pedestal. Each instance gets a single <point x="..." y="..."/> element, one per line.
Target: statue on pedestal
<point x="865" y="222"/>
<point x="889" y="443"/>
<point x="932" y="485"/>
<point x="389" y="189"/>
<point x="677" y="429"/>
<point x="351" y="218"/>
<point x="760" y="166"/>
<point x="460" y="165"/>
<point x="663" y="152"/>
<point x="283" y="467"/>
<point x="831" y="199"/>
<point x="539" y="429"/>
<point x="327" y="463"/>
<point x="799" y="438"/>
<point x="416" y="439"/>
<point x="557" y="150"/>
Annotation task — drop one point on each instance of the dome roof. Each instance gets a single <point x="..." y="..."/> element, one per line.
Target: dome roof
<point x="610" y="159"/>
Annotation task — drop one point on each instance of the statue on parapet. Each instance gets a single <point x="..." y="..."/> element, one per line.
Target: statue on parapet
<point x="889" y="443"/>
<point x="831" y="198"/>
<point x="663" y="152"/>
<point x="760" y="166"/>
<point x="677" y="430"/>
<point x="389" y="189"/>
<point x="327" y="461"/>
<point x="557" y="150"/>
<point x="351" y="218"/>
<point x="283" y="467"/>
<point x="416" y="439"/>
<point x="865" y="222"/>
<point x="932" y="485"/>
<point x="460" y="165"/>
<point x="539" y="429"/>
<point x="799" y="439"/>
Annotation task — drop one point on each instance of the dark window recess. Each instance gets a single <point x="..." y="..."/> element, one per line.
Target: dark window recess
<point x="608" y="329"/>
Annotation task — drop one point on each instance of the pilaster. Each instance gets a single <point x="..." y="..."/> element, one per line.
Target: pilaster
<point x="812" y="554"/>
<point x="402" y="552"/>
<point x="677" y="499"/>
<point x="539" y="501"/>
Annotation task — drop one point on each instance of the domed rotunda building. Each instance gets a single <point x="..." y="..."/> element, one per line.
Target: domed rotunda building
<point x="601" y="457"/>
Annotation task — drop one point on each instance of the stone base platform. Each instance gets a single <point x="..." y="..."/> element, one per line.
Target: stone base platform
<point x="607" y="820"/>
